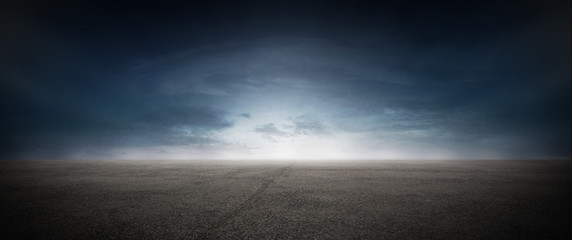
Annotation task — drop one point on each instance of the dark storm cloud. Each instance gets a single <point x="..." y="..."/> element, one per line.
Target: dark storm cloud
<point x="53" y="127"/>
<point x="306" y="126"/>
<point x="182" y="116"/>
<point x="459" y="76"/>
<point x="245" y="115"/>
<point x="269" y="128"/>
<point x="65" y="132"/>
<point x="270" y="132"/>
<point x="297" y="126"/>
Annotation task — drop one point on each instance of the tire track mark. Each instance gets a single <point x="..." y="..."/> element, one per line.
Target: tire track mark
<point x="253" y="198"/>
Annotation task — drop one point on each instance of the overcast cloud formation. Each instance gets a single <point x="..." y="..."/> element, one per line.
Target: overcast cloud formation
<point x="285" y="79"/>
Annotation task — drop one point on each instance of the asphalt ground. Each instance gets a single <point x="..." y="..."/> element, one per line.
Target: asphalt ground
<point x="285" y="200"/>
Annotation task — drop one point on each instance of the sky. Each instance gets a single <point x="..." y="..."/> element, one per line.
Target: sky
<point x="285" y="80"/>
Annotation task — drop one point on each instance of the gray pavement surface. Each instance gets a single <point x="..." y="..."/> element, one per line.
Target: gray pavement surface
<point x="285" y="200"/>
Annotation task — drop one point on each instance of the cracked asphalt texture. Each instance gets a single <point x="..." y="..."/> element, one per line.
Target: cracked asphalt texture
<point x="285" y="200"/>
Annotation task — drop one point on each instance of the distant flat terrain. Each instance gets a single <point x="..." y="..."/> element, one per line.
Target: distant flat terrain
<point x="286" y="200"/>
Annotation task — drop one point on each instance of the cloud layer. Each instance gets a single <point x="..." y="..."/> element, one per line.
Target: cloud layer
<point x="286" y="80"/>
